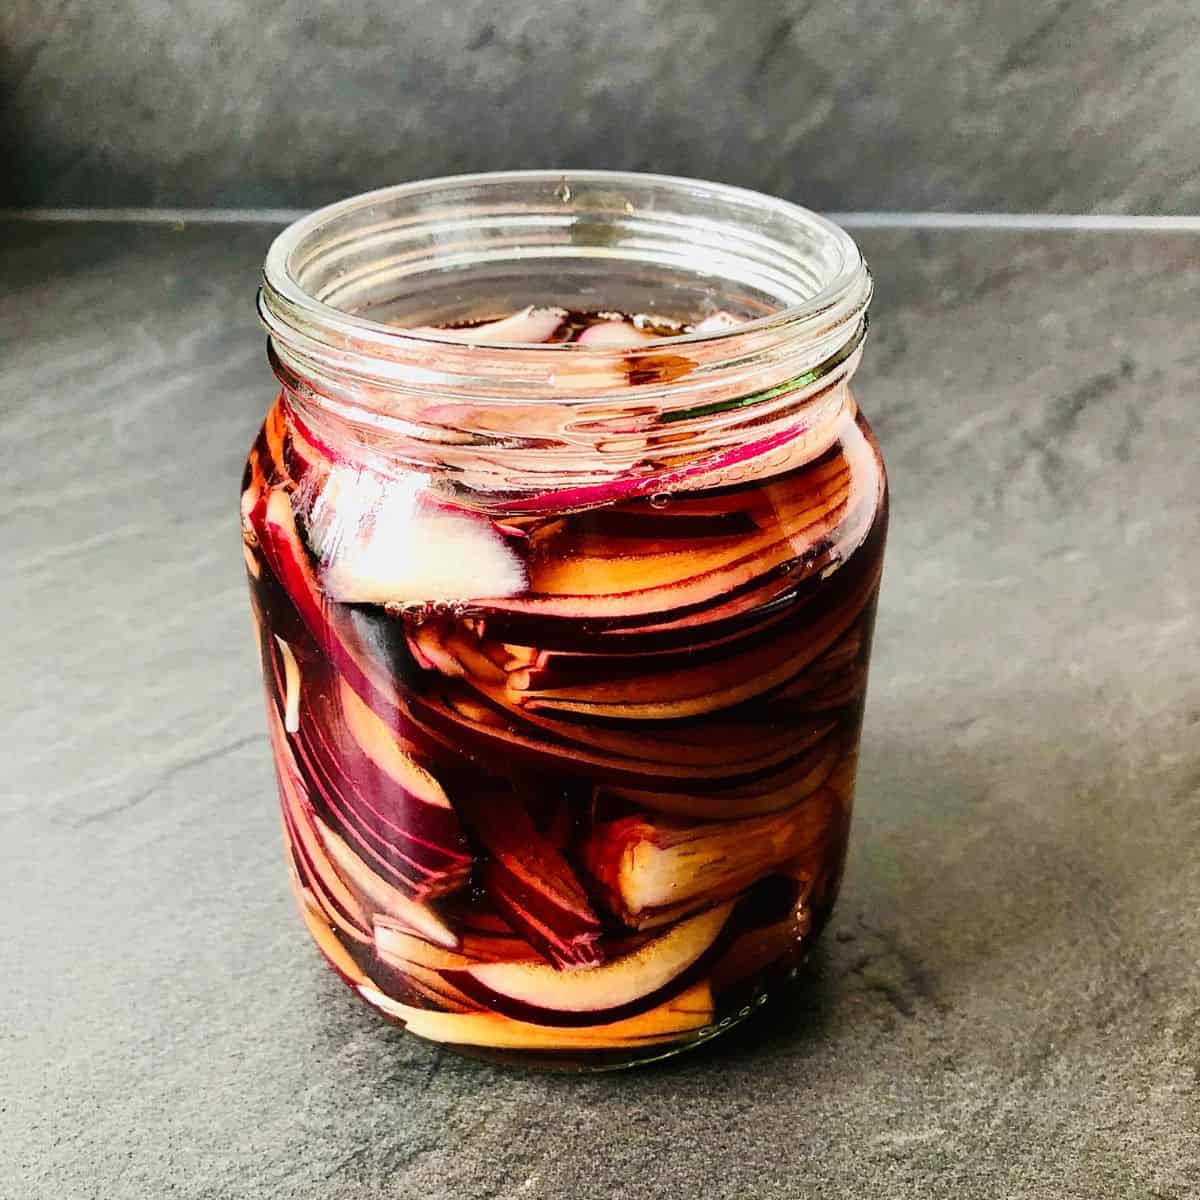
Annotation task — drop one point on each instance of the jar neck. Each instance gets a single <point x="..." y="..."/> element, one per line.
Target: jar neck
<point x="501" y="455"/>
<point x="502" y="426"/>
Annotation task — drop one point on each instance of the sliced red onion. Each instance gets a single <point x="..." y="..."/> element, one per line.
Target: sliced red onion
<point x="717" y="322"/>
<point x="383" y="540"/>
<point x="614" y="335"/>
<point x="530" y="326"/>
<point x="646" y="863"/>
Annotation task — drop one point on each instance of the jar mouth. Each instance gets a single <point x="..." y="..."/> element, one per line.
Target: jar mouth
<point x="330" y="271"/>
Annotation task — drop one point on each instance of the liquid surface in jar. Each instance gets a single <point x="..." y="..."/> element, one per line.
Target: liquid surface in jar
<point x="572" y="785"/>
<point x="536" y="325"/>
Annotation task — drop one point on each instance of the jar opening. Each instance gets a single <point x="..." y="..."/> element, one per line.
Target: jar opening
<point x="433" y="252"/>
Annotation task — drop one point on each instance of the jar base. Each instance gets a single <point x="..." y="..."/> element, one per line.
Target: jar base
<point x="596" y="1062"/>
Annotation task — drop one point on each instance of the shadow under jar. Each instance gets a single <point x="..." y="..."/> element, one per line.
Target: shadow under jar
<point x="564" y="536"/>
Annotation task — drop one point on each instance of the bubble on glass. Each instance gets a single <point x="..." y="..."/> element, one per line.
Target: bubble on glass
<point x="660" y="500"/>
<point x="563" y="191"/>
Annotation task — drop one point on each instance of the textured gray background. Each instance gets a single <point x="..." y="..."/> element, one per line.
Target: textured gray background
<point x="1007" y="1004"/>
<point x="1021" y="105"/>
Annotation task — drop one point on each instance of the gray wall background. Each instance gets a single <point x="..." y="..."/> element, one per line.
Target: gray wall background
<point x="1017" y="105"/>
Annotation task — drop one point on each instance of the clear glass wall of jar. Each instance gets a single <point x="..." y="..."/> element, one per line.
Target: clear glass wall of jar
<point x="565" y="637"/>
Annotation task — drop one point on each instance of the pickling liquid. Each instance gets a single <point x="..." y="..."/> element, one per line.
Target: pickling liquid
<point x="571" y="786"/>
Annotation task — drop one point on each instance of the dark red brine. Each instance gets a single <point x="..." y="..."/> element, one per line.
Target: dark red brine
<point x="566" y="776"/>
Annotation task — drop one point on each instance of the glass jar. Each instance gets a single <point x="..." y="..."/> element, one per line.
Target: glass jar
<point x="565" y="637"/>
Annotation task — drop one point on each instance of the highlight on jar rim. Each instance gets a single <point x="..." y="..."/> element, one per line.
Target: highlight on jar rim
<point x="564" y="536"/>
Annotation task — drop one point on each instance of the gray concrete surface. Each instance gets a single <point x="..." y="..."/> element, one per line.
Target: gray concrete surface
<point x="1007" y="1002"/>
<point x="1026" y="105"/>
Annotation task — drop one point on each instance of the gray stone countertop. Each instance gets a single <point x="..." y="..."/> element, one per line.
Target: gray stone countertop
<point x="1007" y="1003"/>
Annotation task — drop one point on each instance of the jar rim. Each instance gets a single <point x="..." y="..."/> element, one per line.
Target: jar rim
<point x="286" y="305"/>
